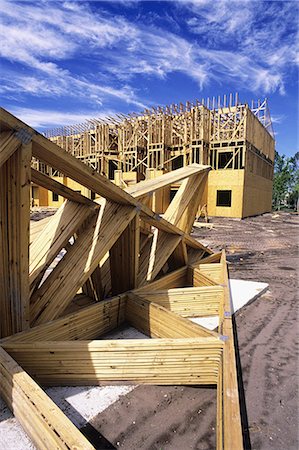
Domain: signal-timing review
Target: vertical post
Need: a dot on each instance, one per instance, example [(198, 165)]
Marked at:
[(124, 258), (15, 178)]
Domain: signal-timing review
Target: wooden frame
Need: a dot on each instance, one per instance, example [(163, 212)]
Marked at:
[(167, 277)]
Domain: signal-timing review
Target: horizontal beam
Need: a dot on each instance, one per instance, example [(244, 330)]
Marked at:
[(188, 301), (148, 186), (87, 323), (151, 361), (59, 188), (156, 321)]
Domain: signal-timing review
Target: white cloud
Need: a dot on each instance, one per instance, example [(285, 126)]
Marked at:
[(231, 44), (42, 118)]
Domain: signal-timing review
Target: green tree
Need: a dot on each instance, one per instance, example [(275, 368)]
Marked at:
[(286, 181)]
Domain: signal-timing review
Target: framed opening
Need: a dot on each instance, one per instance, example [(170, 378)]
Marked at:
[(224, 158), (224, 198), (55, 197), (178, 162)]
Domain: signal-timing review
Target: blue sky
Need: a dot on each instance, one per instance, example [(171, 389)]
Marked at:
[(63, 62)]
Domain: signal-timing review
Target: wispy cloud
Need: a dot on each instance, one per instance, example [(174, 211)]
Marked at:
[(77, 50), (43, 118), (260, 39)]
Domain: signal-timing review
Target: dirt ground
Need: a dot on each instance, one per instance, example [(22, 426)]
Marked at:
[(179, 418)]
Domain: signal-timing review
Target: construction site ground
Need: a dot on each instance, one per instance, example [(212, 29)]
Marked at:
[(263, 248)]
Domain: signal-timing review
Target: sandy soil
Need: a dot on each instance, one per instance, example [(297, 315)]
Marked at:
[(178, 418)]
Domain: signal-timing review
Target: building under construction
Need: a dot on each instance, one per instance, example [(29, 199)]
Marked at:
[(235, 139)]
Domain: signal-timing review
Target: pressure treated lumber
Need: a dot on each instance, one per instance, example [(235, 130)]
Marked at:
[(211, 270), (88, 323), (200, 279), (55, 235), (44, 422), (161, 247), (177, 278), (151, 185), (9, 143), (124, 258), (50, 300), (232, 429), (188, 301), (156, 321), (14, 241), (36, 226), (59, 188), (183, 208), (158, 361)]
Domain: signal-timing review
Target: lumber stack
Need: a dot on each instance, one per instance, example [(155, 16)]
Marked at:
[(127, 264)]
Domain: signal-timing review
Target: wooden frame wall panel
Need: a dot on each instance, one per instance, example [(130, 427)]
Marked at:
[(157, 322), (42, 420), (87, 323), (51, 154), (14, 241), (51, 299), (55, 235), (151, 361), (60, 189), (124, 258), (188, 301)]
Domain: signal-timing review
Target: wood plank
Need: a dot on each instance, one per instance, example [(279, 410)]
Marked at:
[(43, 421), (14, 241), (182, 210), (162, 246), (9, 143), (50, 300), (60, 189), (150, 361), (212, 258), (211, 270), (177, 278), (200, 279), (232, 429), (157, 322), (88, 323), (36, 227), (151, 185), (55, 235), (188, 301), (124, 258)]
